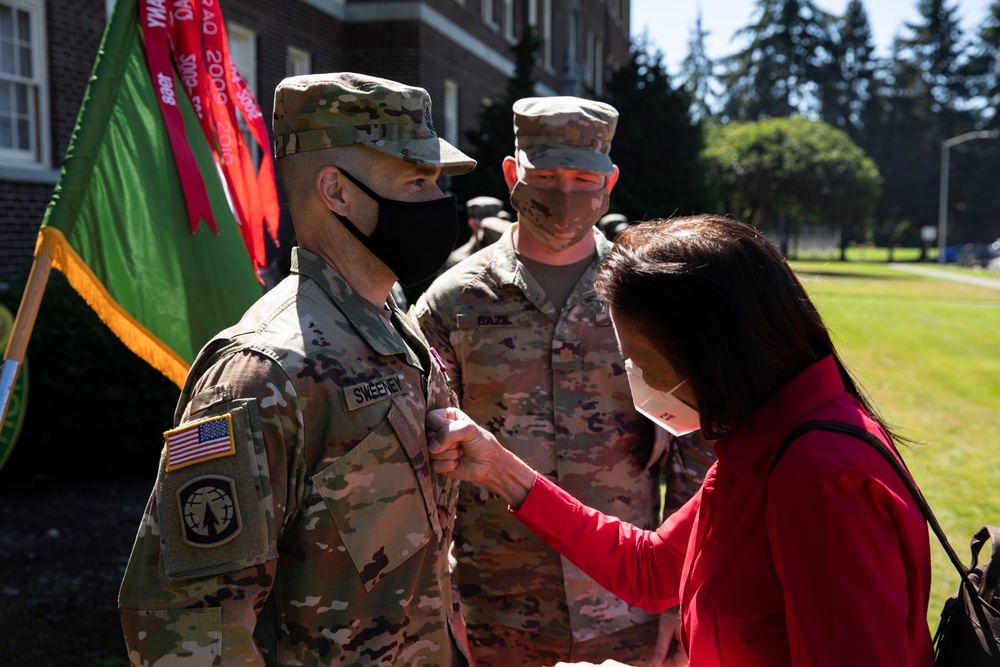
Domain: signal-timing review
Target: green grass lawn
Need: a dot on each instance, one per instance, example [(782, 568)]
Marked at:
[(865, 254), (928, 353)]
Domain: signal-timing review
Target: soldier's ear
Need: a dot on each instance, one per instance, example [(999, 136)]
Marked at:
[(612, 178), (330, 189), (510, 171)]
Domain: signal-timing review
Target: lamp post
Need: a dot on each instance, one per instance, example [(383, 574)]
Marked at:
[(943, 200)]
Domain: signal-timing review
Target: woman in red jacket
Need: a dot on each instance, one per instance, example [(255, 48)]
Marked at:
[(823, 561)]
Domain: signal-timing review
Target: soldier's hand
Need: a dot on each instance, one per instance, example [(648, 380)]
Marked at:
[(459, 447), (669, 651)]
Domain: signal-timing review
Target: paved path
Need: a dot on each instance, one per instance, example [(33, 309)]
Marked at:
[(992, 283)]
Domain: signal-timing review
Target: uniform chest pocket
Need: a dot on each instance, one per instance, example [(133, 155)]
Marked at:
[(376, 501)]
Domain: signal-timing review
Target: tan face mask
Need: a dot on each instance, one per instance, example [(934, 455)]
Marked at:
[(558, 219)]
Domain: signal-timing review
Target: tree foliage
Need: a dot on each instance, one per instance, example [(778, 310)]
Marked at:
[(848, 87), (657, 144), (900, 106), (697, 76), (784, 64), (795, 167), (493, 140)]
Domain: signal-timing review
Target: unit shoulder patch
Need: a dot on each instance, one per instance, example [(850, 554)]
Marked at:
[(209, 510)]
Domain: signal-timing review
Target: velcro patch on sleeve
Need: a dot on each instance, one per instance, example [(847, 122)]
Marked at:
[(201, 440), (216, 516)]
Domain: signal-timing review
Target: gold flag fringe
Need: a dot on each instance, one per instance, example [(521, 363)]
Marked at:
[(135, 336)]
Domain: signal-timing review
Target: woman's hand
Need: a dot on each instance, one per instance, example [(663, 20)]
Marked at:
[(461, 449)]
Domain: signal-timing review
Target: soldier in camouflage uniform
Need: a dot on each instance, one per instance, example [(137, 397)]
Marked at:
[(477, 209), (532, 354), (295, 519)]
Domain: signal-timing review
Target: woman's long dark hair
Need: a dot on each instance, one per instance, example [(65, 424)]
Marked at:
[(725, 309)]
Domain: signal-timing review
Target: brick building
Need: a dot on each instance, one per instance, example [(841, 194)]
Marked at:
[(459, 50)]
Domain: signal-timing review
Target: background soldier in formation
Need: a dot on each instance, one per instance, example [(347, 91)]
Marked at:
[(477, 209)]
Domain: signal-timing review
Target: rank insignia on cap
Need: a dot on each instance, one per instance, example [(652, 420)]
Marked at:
[(199, 441), (210, 515)]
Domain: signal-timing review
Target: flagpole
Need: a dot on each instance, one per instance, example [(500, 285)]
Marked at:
[(24, 323)]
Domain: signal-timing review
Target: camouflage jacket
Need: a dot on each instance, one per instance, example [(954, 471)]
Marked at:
[(552, 387), (319, 535)]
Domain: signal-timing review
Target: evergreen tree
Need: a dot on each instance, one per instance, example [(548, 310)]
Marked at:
[(975, 187), (787, 60), (698, 74), (851, 81), (494, 140), (934, 50), (983, 68), (926, 102), (897, 136), (657, 144)]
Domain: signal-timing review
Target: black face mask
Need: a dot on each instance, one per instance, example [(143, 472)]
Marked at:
[(412, 238)]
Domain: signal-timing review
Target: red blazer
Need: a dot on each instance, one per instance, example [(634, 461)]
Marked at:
[(826, 563)]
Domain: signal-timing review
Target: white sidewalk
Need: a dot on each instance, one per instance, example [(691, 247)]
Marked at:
[(992, 283)]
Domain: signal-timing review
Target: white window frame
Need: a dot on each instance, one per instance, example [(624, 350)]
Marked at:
[(508, 20), (488, 14), (38, 153), (243, 52), (573, 19), (547, 35), (451, 98), (599, 68), (297, 61), (589, 67)]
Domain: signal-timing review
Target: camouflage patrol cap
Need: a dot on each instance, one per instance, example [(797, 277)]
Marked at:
[(316, 111), (491, 229), (564, 133), (483, 207)]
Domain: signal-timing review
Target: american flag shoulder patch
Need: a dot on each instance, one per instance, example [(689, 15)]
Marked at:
[(201, 440)]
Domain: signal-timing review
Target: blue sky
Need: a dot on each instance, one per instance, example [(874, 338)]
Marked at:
[(670, 22)]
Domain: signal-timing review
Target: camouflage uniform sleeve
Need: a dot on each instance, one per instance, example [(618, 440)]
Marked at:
[(690, 456), (436, 320), (205, 555)]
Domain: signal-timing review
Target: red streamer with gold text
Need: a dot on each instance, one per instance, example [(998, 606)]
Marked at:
[(190, 35)]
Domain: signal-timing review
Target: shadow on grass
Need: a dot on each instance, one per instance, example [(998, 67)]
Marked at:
[(827, 273)]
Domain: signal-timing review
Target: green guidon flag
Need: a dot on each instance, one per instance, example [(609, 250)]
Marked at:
[(118, 227)]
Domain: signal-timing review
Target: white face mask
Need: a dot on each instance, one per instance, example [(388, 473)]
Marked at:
[(663, 408)]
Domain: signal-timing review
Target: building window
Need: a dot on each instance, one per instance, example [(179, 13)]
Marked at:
[(489, 18), (451, 112), (589, 67), (573, 43), (547, 34), (297, 62), (24, 127), (508, 19), (599, 69), (533, 12), (243, 52)]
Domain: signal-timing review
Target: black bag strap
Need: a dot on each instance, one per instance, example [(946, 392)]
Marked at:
[(904, 474), (988, 587)]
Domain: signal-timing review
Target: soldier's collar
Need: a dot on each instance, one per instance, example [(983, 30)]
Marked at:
[(368, 320)]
